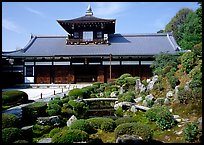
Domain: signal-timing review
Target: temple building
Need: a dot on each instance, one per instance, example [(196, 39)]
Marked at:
[(90, 51)]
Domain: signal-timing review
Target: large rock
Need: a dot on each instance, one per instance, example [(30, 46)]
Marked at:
[(166, 101), (129, 139), (159, 101), (121, 104), (169, 94), (139, 99), (176, 93), (113, 94), (186, 87), (152, 82), (121, 90), (71, 120), (142, 88), (149, 97), (138, 85), (45, 140), (133, 109), (200, 123), (54, 120), (144, 103)]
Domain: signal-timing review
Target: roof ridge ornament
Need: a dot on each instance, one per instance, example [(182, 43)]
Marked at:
[(89, 11)]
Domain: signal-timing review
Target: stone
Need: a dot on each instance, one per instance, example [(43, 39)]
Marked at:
[(176, 116), (148, 80), (129, 139), (144, 103), (113, 94), (166, 101), (171, 110), (186, 87), (49, 120), (178, 120), (101, 94), (159, 101), (169, 94), (43, 120), (55, 120), (133, 109), (142, 88), (121, 90), (45, 140), (143, 108), (149, 97), (151, 83), (71, 120), (178, 132), (176, 93), (137, 85), (27, 132), (139, 99), (121, 104), (200, 123)]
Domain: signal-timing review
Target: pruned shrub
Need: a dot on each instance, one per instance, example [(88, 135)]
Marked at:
[(67, 111), (138, 129), (131, 80), (76, 93), (54, 131), (119, 112), (56, 101), (9, 120), (82, 124), (80, 108), (184, 96), (70, 136), (39, 130), (13, 97), (9, 135), (123, 76), (127, 97), (151, 114), (32, 111), (190, 132), (53, 109), (126, 119), (100, 123)]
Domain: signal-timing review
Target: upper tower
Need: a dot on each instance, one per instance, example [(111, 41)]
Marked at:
[(88, 29)]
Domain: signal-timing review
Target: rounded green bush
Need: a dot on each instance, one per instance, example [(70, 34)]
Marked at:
[(100, 123), (123, 76), (32, 111), (53, 109), (39, 130), (190, 132), (151, 114), (9, 135), (83, 125), (12, 97), (76, 93), (138, 129), (9, 120), (70, 136), (126, 119), (54, 131), (119, 112), (56, 101)]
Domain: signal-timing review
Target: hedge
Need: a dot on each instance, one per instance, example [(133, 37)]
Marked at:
[(126, 119), (54, 131), (32, 111), (138, 129), (53, 109), (83, 125), (70, 136), (9, 120), (106, 124), (39, 130), (9, 135), (13, 97)]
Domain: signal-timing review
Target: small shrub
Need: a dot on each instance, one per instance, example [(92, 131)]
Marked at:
[(76, 93), (70, 136), (190, 132), (130, 80), (32, 111), (83, 125), (127, 97), (138, 129), (55, 101), (122, 120), (123, 76), (54, 131), (100, 123), (9, 135), (39, 130), (151, 114), (53, 109), (13, 97), (119, 112), (184, 96), (9, 120)]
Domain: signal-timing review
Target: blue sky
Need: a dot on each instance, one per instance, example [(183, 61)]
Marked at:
[(20, 19)]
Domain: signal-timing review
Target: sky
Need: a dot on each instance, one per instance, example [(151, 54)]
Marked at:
[(21, 19)]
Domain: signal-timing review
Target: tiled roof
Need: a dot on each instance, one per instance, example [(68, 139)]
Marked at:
[(120, 45)]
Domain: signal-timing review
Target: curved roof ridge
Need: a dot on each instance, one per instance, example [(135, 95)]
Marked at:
[(140, 34)]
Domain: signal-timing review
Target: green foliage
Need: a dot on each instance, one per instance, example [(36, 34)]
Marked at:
[(9, 135), (55, 101), (53, 109), (67, 111), (70, 136), (173, 80), (126, 119), (13, 97), (32, 111), (128, 96), (151, 114), (165, 119), (21, 141), (177, 21), (54, 131), (39, 130), (79, 107), (183, 95), (106, 124), (83, 125), (76, 93), (138, 129), (131, 80), (196, 75), (123, 76), (188, 61), (9, 120), (119, 112), (190, 132)]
